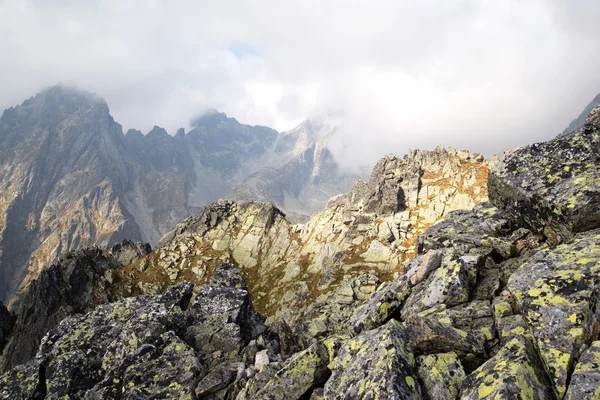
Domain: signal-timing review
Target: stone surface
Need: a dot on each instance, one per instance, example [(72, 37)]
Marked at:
[(553, 183), (141, 347), (74, 283), (430, 335), (375, 364), (555, 291), (297, 376), (441, 375), (585, 381), (290, 267), (262, 359), (380, 307), (515, 372)]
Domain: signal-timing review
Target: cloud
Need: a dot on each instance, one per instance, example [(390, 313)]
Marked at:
[(478, 74)]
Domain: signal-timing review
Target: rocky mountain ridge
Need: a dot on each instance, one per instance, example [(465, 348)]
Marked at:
[(371, 230), (70, 178), (495, 301), (302, 269)]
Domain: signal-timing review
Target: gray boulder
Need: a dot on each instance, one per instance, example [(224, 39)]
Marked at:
[(375, 364), (553, 186)]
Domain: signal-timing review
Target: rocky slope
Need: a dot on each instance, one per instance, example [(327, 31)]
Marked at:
[(152, 347), (495, 302), (358, 240), (69, 178), (75, 283), (294, 272)]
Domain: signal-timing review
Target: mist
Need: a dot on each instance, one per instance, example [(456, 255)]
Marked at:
[(482, 75)]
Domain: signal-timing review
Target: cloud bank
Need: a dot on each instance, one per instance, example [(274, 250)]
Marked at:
[(478, 74)]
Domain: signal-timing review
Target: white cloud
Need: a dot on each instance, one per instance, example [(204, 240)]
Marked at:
[(479, 74)]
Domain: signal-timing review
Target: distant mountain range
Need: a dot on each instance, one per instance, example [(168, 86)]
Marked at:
[(69, 177)]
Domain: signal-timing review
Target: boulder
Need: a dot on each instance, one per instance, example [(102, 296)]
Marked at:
[(546, 185), (450, 284), (516, 372), (433, 333), (585, 381), (381, 306), (131, 342), (373, 365), (462, 231), (297, 375), (555, 291), (441, 375)]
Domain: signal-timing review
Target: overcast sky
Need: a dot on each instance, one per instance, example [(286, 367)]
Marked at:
[(483, 75)]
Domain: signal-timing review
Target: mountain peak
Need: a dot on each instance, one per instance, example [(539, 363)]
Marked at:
[(56, 102), (157, 131), (211, 116), (65, 92)]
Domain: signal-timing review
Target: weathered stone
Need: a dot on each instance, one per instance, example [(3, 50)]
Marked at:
[(377, 253), (441, 375), (585, 381), (134, 348), (22, 382), (317, 326), (74, 283), (262, 359), (227, 275), (317, 394), (381, 306), (430, 262), (216, 380), (515, 372), (554, 291), (484, 226), (475, 317), (555, 181), (450, 284), (432, 334), (296, 377), (375, 364)]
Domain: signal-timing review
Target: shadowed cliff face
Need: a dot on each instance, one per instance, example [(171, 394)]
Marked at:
[(62, 159), (75, 283)]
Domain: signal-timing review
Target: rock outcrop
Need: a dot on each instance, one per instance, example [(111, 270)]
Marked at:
[(493, 306), (334, 261), (578, 122), (553, 186), (75, 283), (6, 324), (162, 346)]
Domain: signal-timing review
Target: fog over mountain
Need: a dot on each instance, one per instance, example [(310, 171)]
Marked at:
[(483, 75), (70, 177)]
